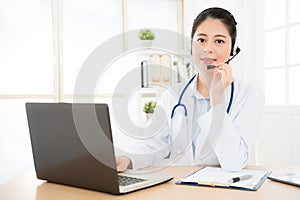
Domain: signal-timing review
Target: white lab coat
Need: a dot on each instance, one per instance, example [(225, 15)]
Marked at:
[(230, 141)]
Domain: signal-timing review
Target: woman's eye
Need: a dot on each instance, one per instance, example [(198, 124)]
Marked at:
[(219, 41), (201, 40)]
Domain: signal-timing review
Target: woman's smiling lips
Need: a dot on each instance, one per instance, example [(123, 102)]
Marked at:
[(208, 61)]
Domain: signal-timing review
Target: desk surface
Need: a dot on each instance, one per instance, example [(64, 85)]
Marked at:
[(26, 186)]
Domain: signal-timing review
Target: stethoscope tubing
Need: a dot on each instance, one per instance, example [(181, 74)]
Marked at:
[(179, 104)]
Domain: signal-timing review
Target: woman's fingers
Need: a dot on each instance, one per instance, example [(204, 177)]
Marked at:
[(226, 74), (123, 163)]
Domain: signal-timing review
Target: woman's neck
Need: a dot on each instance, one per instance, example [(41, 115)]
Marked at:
[(203, 86)]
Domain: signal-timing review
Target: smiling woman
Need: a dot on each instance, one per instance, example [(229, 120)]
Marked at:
[(204, 129)]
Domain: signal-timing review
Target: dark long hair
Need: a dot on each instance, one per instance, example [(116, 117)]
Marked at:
[(221, 14)]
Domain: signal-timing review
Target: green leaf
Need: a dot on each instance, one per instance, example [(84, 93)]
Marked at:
[(149, 107), (146, 34)]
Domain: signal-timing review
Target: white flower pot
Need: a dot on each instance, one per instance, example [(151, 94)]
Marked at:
[(148, 116), (146, 43)]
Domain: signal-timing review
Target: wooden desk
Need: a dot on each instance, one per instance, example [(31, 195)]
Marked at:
[(27, 186)]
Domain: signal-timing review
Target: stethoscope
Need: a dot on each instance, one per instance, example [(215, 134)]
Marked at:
[(179, 104), (180, 151)]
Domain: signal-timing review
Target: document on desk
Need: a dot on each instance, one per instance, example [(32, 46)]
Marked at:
[(245, 179)]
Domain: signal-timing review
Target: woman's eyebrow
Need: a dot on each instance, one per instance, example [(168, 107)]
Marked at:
[(201, 34), (220, 35)]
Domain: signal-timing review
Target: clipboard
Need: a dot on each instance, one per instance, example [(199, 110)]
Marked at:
[(217, 177)]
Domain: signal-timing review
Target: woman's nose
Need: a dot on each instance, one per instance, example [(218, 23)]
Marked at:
[(207, 48)]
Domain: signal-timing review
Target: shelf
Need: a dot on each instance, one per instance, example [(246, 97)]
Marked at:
[(152, 91)]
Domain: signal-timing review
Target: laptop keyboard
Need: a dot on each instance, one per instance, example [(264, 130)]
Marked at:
[(126, 180)]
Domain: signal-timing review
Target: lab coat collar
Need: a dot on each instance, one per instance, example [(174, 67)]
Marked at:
[(195, 93)]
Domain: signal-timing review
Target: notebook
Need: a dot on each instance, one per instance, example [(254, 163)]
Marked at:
[(72, 144), (217, 177), (288, 178)]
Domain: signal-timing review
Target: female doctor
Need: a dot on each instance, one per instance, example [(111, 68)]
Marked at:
[(210, 120)]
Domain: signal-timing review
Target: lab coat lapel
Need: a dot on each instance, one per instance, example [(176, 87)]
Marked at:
[(189, 102)]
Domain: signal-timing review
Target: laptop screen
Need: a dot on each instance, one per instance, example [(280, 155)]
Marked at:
[(72, 144)]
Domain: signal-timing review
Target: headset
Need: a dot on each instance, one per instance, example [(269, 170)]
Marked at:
[(236, 52)]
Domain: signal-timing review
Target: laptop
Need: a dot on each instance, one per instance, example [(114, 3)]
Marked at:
[(72, 145)]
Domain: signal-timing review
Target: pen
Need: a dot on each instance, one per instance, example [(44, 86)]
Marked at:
[(240, 178)]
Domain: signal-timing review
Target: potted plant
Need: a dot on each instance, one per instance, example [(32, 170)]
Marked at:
[(149, 108), (146, 36)]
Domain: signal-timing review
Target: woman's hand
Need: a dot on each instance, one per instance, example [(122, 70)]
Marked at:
[(222, 78), (123, 163)]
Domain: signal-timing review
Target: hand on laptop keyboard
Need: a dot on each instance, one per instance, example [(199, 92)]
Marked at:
[(123, 163)]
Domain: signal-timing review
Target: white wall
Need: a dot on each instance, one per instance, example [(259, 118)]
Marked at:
[(15, 149), (278, 142)]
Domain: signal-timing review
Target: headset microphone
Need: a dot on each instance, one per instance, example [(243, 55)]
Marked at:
[(236, 52)]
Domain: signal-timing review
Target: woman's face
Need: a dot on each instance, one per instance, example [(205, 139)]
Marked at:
[(211, 44)]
